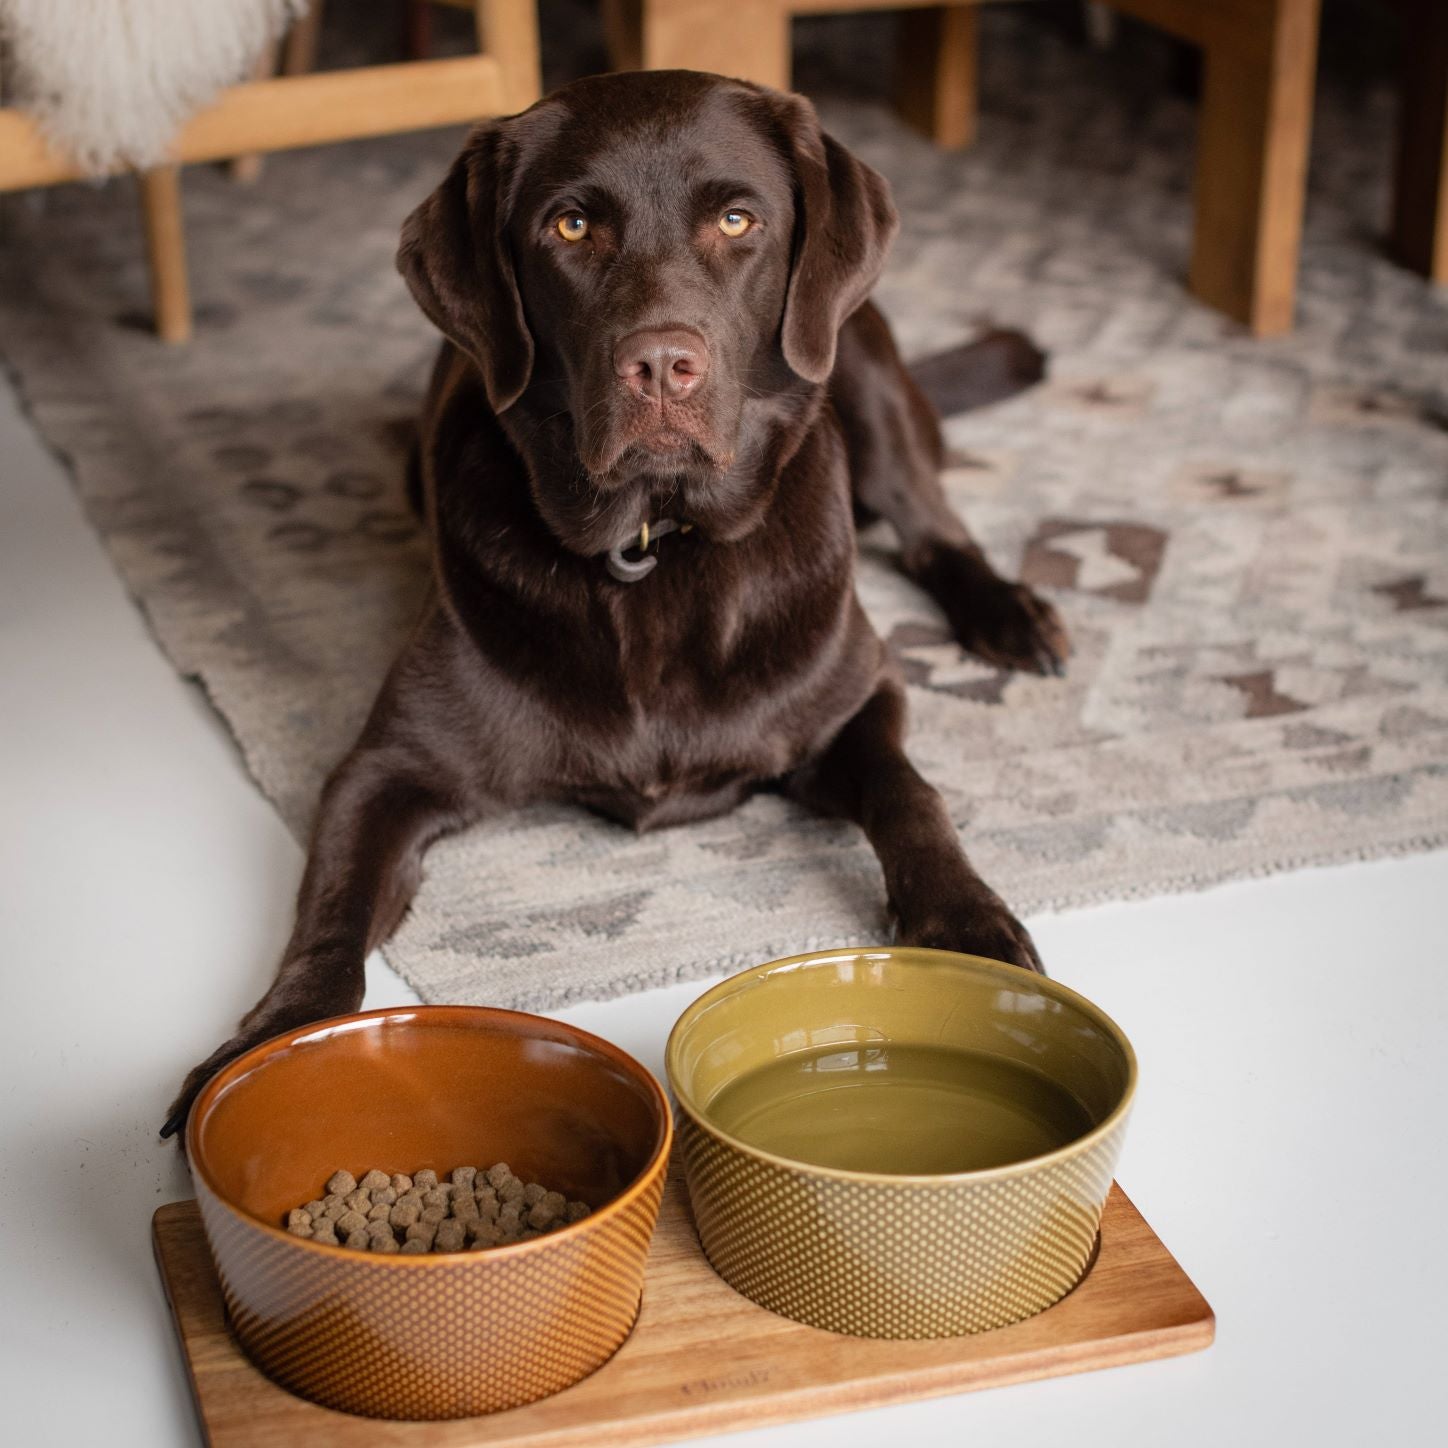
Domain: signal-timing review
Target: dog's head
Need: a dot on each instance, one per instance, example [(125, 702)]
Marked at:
[(650, 270)]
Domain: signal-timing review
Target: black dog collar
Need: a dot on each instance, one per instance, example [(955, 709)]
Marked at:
[(630, 570)]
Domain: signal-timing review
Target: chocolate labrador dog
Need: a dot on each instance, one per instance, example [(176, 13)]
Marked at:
[(662, 403)]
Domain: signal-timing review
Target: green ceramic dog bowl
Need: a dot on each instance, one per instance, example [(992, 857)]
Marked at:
[(899, 1143)]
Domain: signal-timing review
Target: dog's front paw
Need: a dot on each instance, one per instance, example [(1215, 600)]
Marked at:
[(311, 985), (1011, 626), (198, 1076), (1014, 627), (1006, 624), (266, 1020), (977, 924)]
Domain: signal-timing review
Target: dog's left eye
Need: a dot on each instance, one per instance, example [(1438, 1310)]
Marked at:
[(735, 223), (572, 226)]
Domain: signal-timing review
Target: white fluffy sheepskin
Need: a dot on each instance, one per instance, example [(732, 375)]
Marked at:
[(111, 81)]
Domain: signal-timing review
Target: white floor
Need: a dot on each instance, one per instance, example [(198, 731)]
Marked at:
[(1289, 1142)]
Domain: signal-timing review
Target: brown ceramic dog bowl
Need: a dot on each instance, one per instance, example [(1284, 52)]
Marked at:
[(899, 1143), (438, 1336)]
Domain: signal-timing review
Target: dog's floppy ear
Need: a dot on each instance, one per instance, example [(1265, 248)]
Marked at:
[(842, 234), (454, 256)]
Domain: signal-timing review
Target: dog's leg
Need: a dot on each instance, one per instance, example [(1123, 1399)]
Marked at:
[(380, 810), (935, 894), (895, 449)]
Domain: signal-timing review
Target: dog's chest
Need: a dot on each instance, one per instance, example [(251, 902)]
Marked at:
[(709, 696)]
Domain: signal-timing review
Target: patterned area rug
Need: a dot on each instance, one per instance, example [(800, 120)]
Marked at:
[(1249, 540)]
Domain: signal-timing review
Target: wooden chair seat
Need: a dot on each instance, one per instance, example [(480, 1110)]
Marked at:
[(279, 113)]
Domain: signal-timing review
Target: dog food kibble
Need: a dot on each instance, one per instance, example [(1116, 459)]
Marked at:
[(449, 1236), (472, 1209), (349, 1222)]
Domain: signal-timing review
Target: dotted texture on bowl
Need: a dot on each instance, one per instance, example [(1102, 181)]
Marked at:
[(896, 1259), (397, 1337)]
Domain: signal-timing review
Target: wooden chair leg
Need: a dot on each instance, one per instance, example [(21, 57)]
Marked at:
[(299, 49), (935, 87), (1256, 123), (245, 170), (297, 54), (508, 29), (166, 252), (1420, 198)]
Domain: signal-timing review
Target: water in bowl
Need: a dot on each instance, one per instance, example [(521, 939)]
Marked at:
[(900, 1110)]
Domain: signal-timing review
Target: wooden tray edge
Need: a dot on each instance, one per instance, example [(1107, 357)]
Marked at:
[(1191, 1329)]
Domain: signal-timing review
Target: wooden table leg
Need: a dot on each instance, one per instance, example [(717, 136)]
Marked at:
[(1420, 199), (166, 252), (623, 26), (508, 31), (1252, 140), (935, 87), (748, 39), (1256, 123)]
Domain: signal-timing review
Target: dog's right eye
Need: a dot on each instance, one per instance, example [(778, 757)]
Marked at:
[(572, 226)]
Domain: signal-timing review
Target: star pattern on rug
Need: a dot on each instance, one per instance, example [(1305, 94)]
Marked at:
[(1409, 594), (1115, 559), (930, 658), (1262, 695)]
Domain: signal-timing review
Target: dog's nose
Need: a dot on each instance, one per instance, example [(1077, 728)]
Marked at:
[(665, 365)]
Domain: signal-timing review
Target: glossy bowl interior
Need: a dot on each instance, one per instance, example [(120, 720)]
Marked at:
[(882, 1254), (439, 1087)]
